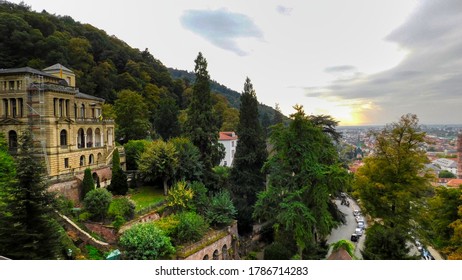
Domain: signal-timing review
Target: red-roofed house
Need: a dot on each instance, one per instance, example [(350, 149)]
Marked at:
[(229, 140), (454, 183)]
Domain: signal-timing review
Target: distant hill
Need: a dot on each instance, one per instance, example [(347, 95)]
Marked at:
[(103, 64), (231, 95)]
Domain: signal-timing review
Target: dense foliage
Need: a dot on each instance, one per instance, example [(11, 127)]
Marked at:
[(221, 210), (247, 178), (88, 184), (391, 185), (159, 161), (202, 123), (303, 171), (28, 229), (97, 203), (123, 207), (146, 241)]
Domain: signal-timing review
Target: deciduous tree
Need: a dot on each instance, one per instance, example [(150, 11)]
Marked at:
[(160, 160)]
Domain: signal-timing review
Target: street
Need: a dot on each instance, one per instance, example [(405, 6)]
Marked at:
[(344, 231)]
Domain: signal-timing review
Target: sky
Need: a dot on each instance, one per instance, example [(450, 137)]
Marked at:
[(364, 62)]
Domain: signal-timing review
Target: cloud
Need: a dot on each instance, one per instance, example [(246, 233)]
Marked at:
[(221, 27), (340, 68), (427, 82), (286, 11)]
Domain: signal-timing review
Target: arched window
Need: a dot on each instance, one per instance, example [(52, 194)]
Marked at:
[(81, 138), (63, 138), (215, 255), (89, 138), (13, 140), (82, 160), (224, 252), (91, 159), (206, 257), (97, 137)]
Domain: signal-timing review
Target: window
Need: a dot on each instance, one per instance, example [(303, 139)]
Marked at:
[(82, 160), (13, 140), (63, 138), (14, 109), (66, 163), (11, 85), (82, 111), (91, 159)]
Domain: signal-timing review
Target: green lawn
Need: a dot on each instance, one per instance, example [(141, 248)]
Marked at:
[(145, 196)]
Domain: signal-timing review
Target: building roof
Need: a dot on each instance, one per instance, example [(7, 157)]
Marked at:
[(340, 254), (87, 96), (26, 70), (445, 163), (227, 135), (57, 66), (454, 183)]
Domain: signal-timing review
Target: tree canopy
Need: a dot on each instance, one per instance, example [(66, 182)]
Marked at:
[(247, 178), (304, 171)]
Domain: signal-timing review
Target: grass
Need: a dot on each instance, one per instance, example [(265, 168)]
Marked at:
[(145, 196)]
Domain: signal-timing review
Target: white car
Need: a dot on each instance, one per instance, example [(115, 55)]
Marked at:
[(359, 231), (361, 224)]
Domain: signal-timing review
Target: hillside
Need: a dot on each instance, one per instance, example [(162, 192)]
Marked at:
[(103, 64)]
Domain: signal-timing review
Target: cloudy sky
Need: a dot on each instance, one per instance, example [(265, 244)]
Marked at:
[(363, 62)]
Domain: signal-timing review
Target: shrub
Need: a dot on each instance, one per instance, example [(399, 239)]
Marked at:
[(119, 184), (123, 207), (146, 242), (200, 199), (191, 227), (277, 251), (221, 210), (180, 196), (87, 184), (168, 224), (85, 216), (97, 202), (118, 222)]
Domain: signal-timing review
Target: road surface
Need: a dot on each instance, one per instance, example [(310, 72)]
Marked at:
[(344, 231)]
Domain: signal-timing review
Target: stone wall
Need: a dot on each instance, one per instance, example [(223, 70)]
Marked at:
[(69, 189), (217, 245)]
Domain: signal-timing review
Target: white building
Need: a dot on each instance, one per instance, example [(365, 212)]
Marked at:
[(229, 140), (446, 164)]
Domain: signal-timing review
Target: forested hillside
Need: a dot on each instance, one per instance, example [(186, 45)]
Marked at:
[(104, 65)]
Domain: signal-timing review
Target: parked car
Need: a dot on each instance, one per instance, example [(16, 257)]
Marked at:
[(361, 224), (359, 231), (359, 219), (356, 212), (354, 237)]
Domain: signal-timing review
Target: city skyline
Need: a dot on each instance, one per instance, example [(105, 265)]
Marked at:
[(363, 62)]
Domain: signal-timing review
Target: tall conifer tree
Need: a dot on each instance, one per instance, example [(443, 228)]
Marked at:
[(28, 229), (246, 175), (202, 123)]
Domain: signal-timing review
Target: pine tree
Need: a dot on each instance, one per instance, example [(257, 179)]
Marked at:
[(202, 123), (28, 229), (88, 184), (119, 184), (246, 175)]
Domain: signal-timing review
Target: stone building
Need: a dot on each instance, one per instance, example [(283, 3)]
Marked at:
[(67, 125)]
